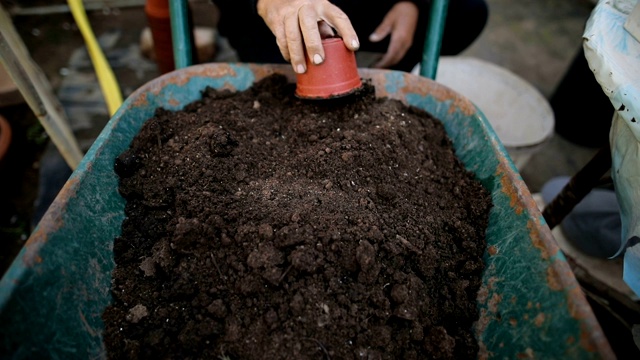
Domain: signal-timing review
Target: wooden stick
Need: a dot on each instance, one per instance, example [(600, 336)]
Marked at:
[(36, 90)]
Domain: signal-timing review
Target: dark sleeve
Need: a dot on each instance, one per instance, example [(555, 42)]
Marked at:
[(421, 4), (236, 4)]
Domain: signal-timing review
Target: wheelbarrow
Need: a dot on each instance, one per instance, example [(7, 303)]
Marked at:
[(53, 295)]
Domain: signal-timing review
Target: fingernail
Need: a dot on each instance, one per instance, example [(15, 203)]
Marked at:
[(317, 59), (373, 37), (355, 44), (300, 69)]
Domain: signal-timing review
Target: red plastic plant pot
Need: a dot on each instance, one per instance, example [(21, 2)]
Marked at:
[(159, 21), (5, 137), (337, 75)]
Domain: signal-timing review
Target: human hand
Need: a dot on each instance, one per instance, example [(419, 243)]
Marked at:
[(303, 23), (400, 22)]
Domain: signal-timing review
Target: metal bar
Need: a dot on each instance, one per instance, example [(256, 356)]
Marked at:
[(180, 33), (433, 42), (578, 187)]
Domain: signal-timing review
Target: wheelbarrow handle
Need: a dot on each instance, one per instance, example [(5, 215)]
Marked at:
[(180, 33), (433, 42)]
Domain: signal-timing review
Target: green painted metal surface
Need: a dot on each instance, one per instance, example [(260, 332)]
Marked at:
[(53, 295)]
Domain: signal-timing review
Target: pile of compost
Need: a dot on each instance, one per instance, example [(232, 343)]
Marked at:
[(263, 226)]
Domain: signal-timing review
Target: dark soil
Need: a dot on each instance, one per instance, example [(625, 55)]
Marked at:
[(262, 226)]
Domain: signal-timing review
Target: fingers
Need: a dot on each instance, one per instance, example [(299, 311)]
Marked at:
[(294, 43), (338, 20), (326, 31), (400, 22), (318, 20), (395, 53), (398, 47), (309, 26), (382, 31), (299, 26), (273, 16), (281, 41)]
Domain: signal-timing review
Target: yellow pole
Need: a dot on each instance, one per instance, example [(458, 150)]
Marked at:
[(106, 78)]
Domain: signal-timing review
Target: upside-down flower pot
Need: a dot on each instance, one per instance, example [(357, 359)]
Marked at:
[(336, 76)]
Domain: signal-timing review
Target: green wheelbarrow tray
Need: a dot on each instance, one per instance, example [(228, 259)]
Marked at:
[(53, 295)]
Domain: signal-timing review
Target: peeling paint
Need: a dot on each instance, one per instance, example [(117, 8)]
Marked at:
[(587, 339), (527, 354), (495, 300), (492, 282), (483, 353), (49, 224), (536, 241), (553, 279), (480, 327), (576, 309), (580, 310), (505, 174), (483, 295), (140, 101)]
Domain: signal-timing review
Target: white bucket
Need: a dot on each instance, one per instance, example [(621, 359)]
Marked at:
[(521, 117)]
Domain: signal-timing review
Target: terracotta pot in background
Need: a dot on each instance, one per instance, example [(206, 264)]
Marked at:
[(159, 19), (205, 42), (5, 137), (336, 76), (158, 14)]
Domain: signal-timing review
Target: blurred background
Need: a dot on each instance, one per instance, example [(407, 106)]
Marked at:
[(536, 42)]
